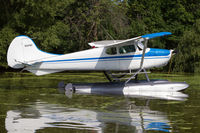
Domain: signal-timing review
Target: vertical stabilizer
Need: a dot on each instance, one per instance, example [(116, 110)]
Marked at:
[(23, 51)]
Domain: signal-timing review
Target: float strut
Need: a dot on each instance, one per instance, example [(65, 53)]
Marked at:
[(107, 76)]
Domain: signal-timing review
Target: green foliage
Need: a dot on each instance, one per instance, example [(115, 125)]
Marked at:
[(6, 36), (188, 58), (68, 25), (54, 39), (95, 20)]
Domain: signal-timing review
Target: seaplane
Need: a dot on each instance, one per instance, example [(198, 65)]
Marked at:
[(129, 57)]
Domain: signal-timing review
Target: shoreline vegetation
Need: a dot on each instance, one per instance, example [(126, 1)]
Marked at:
[(67, 26), (9, 80), (67, 75)]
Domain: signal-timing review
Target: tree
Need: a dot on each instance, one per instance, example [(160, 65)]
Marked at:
[(6, 34), (188, 58), (68, 25), (147, 17), (94, 20)]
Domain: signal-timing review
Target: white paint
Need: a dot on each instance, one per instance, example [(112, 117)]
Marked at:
[(23, 52)]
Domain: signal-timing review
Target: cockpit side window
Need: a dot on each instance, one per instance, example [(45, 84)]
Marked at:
[(111, 51), (127, 49)]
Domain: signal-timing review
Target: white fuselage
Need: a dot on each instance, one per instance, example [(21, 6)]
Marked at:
[(121, 55), (97, 59)]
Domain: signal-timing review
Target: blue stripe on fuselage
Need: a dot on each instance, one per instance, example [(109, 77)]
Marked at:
[(152, 53)]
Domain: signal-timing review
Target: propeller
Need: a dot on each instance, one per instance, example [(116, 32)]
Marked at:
[(176, 51)]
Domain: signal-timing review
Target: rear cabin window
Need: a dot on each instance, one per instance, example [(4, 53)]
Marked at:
[(111, 51), (126, 49)]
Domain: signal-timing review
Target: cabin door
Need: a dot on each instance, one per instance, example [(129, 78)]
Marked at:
[(126, 53), (111, 59)]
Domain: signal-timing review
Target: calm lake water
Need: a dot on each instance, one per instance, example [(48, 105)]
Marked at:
[(31, 104)]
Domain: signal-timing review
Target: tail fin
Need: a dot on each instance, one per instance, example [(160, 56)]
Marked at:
[(23, 51)]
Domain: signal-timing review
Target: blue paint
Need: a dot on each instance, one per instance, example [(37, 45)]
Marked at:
[(153, 35), (36, 45), (158, 126), (152, 53), (158, 52)]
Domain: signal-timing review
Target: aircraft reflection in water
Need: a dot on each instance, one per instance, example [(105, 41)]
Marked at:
[(161, 89), (42, 115), (136, 118)]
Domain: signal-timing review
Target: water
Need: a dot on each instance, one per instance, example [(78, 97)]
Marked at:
[(31, 104)]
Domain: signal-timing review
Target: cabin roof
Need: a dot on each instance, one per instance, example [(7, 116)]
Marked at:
[(104, 43)]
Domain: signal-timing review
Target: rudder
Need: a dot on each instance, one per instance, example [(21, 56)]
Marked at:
[(23, 51)]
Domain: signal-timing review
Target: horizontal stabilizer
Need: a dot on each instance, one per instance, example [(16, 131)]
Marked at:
[(42, 72)]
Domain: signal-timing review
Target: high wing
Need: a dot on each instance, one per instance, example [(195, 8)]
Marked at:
[(136, 40), (154, 35), (108, 43), (104, 43)]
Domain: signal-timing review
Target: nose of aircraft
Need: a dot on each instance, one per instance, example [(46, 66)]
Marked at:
[(162, 54)]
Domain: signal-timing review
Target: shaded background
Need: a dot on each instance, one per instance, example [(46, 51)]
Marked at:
[(68, 25)]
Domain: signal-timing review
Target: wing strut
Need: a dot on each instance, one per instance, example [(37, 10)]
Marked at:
[(141, 63), (141, 68), (143, 52)]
